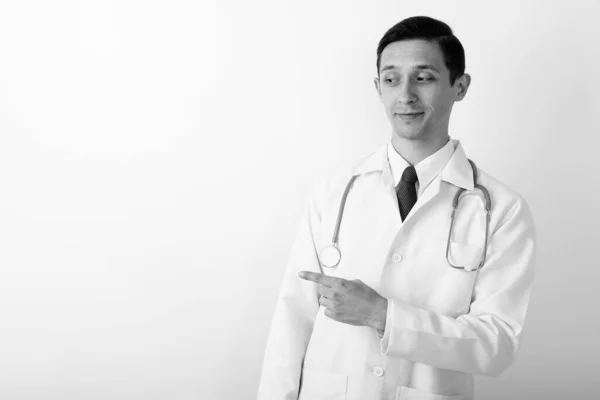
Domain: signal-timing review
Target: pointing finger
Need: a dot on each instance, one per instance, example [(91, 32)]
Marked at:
[(318, 278)]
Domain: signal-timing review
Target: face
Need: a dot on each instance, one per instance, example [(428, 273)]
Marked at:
[(414, 87)]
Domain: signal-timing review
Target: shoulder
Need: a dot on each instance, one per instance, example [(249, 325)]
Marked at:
[(507, 203), (497, 187), (331, 183)]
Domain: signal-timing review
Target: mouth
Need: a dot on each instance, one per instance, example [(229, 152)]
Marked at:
[(409, 116)]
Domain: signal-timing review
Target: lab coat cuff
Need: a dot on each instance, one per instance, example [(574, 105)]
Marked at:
[(401, 330)]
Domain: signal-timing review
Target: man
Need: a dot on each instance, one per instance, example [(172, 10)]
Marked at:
[(406, 313)]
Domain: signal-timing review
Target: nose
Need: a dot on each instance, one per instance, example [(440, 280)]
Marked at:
[(406, 93)]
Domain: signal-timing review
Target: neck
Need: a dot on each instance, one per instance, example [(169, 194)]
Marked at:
[(416, 150)]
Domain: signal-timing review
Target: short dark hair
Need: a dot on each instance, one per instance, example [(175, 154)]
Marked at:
[(432, 30)]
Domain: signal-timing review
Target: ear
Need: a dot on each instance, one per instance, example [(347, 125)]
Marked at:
[(462, 86), (376, 82)]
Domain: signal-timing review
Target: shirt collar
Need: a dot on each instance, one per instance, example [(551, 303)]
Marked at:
[(450, 162), (427, 169)]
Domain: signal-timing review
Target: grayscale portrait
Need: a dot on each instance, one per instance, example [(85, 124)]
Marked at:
[(276, 200)]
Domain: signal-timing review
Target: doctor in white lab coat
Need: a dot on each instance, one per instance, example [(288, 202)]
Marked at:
[(394, 320)]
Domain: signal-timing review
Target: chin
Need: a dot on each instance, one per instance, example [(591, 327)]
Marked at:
[(409, 134)]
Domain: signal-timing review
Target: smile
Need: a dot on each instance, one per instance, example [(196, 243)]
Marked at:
[(409, 117)]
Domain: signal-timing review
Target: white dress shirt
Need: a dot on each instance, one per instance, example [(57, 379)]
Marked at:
[(427, 169)]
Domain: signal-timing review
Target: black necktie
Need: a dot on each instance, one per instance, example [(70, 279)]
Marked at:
[(406, 191)]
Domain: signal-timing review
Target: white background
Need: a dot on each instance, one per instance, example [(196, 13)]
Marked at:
[(155, 157)]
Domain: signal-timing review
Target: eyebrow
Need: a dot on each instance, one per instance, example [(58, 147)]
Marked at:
[(419, 67)]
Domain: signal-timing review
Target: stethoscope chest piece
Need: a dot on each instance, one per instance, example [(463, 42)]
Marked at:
[(330, 256)]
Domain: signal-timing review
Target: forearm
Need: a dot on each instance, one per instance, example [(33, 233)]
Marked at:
[(473, 344)]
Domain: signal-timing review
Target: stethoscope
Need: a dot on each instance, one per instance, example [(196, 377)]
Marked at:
[(331, 255)]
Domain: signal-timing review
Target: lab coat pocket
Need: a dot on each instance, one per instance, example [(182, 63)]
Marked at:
[(406, 393), (321, 385), (465, 255), (450, 290)]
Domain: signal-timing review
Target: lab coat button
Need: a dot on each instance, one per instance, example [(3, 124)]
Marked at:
[(396, 258), (378, 372)]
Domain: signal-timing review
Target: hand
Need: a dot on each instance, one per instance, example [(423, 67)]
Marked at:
[(350, 302)]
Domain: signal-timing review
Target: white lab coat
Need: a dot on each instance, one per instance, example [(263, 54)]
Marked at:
[(443, 324)]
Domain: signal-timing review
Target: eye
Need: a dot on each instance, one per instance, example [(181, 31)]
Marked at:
[(390, 80), (425, 78)]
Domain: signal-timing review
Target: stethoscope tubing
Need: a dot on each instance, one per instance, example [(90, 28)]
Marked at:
[(333, 247), (336, 232)]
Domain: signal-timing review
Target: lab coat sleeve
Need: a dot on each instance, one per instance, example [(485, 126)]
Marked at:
[(295, 312), (486, 340)]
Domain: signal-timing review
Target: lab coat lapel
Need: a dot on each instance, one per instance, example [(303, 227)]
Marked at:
[(378, 162), (391, 199), (432, 190), (457, 171)]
